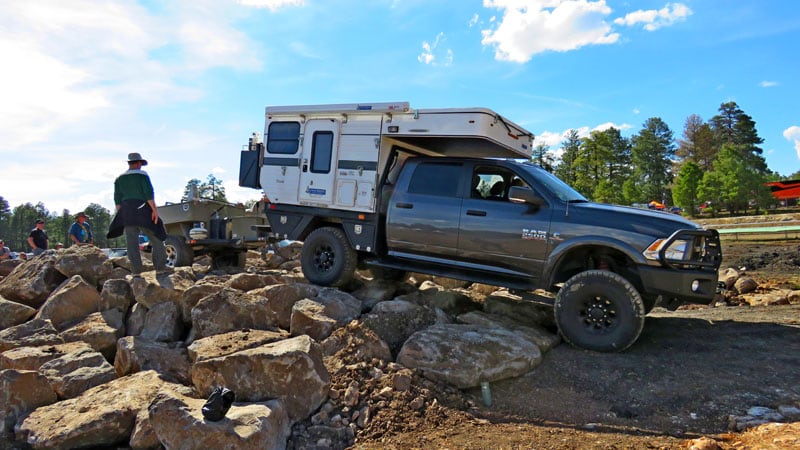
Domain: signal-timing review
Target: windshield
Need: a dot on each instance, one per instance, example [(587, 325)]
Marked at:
[(553, 184)]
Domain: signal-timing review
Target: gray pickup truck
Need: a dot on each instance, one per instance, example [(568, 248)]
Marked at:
[(513, 224)]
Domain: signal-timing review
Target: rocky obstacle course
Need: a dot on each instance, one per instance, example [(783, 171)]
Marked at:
[(91, 356)]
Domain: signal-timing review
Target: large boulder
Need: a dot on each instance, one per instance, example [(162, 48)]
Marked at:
[(102, 416), (32, 281), (281, 299), (73, 373), (395, 320), (162, 323), (31, 358), (153, 287), (136, 355), (31, 333), (232, 342), (87, 261), (21, 391), (116, 294), (507, 304), (229, 310), (178, 422), (318, 317), (71, 302), (100, 330), (291, 370), (543, 338), (466, 355), (14, 313)]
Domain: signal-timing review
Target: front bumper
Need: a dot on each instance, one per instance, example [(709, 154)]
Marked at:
[(677, 284)]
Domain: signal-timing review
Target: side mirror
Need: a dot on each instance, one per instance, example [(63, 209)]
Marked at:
[(519, 194)]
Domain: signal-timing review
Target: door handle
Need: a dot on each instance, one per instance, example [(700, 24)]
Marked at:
[(475, 212), (404, 205)]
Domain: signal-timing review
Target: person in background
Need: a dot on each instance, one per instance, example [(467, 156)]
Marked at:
[(137, 213), (59, 245), (5, 253), (81, 232), (38, 239)]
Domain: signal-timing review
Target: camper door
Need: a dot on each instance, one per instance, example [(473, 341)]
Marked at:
[(318, 161)]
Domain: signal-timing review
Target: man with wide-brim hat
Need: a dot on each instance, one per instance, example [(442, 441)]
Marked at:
[(137, 214), (80, 232)]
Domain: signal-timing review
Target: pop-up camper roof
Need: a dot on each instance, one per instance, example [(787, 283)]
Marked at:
[(475, 132)]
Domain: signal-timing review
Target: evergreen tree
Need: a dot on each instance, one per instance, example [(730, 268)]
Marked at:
[(542, 156), (684, 193), (570, 149), (652, 153)]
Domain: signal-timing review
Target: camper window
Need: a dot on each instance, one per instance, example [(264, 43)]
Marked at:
[(283, 137), (321, 151), (435, 179)]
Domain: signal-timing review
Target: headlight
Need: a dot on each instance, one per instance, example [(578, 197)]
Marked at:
[(676, 251)]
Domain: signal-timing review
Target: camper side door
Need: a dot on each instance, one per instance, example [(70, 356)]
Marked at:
[(318, 162)]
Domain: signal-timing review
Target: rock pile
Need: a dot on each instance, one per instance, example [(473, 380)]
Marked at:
[(91, 356)]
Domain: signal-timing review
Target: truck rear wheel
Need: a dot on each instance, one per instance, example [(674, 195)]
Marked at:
[(178, 252), (599, 310), (327, 258)]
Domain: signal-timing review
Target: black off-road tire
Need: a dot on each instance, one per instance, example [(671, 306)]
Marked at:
[(599, 310), (327, 258), (178, 251)]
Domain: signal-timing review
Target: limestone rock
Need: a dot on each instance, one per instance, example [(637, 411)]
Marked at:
[(71, 302), (395, 320), (153, 288), (87, 261), (230, 310), (100, 330), (282, 297), (116, 294), (22, 391), (745, 285), (32, 281), (232, 342), (466, 355), (245, 282), (291, 370), (31, 333), (544, 339), (101, 416), (179, 423), (14, 313), (136, 354), (75, 372), (31, 358), (162, 323), (319, 316)]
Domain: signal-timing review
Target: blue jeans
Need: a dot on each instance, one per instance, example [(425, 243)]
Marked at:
[(38, 251), (132, 241)]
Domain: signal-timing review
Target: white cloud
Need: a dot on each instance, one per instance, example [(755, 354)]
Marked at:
[(66, 62), (272, 5), (768, 84), (474, 20), (792, 134), (607, 125), (531, 27), (434, 55), (654, 19)]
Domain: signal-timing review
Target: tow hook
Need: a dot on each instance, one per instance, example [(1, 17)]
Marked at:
[(721, 287)]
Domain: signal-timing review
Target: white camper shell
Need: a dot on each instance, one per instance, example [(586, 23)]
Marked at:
[(331, 156)]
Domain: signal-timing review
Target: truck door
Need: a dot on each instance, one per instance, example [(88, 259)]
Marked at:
[(422, 215), (318, 161), (494, 232)]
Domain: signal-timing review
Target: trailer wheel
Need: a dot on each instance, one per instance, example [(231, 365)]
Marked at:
[(327, 258), (178, 252), (599, 310)]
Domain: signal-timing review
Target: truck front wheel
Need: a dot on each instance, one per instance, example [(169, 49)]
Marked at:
[(599, 310), (327, 258), (178, 252)]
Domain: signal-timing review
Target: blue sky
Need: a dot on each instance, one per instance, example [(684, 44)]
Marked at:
[(185, 82)]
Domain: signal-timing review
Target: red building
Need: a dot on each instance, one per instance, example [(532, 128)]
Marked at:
[(787, 191)]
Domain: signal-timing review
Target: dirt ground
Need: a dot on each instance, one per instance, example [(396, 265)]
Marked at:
[(689, 372)]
